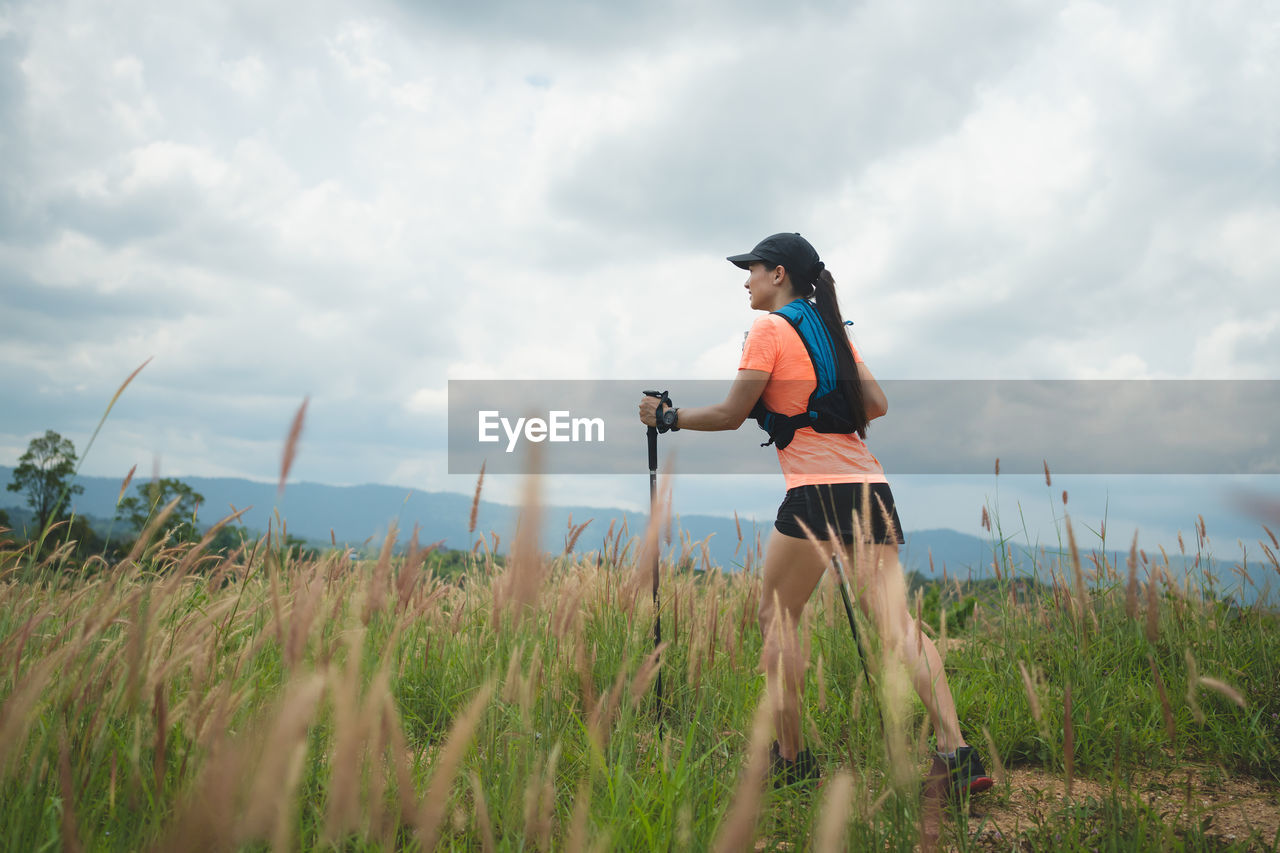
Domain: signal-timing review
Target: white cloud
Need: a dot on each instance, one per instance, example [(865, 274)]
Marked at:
[(276, 200), (1218, 348), (1245, 244), (161, 163), (247, 75), (429, 401)]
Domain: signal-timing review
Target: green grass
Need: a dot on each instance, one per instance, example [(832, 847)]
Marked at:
[(271, 699)]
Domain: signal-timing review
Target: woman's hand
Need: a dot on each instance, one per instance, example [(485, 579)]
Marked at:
[(648, 411), (729, 415)]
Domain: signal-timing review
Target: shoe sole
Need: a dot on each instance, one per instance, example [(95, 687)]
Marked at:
[(979, 784)]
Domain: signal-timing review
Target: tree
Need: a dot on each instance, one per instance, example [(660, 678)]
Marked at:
[(228, 538), (154, 496), (44, 472), (87, 540)]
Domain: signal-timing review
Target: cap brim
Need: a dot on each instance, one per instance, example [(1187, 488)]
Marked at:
[(744, 261)]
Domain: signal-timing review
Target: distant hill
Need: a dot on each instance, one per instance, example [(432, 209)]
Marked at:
[(355, 514), (358, 513)]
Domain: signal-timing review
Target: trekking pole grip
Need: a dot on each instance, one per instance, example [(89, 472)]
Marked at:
[(653, 430)]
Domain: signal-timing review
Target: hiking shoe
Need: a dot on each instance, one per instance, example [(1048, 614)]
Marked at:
[(964, 772), (804, 770)]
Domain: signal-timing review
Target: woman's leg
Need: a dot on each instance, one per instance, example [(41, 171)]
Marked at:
[(792, 568), (883, 597)]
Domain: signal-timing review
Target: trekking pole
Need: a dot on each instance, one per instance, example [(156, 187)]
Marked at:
[(653, 509), (857, 641)]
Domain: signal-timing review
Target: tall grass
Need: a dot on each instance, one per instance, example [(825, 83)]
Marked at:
[(259, 698)]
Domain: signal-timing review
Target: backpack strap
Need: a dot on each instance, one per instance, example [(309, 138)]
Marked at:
[(803, 316), (819, 414)]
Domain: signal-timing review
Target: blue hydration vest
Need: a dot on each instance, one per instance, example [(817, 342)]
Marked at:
[(828, 411)]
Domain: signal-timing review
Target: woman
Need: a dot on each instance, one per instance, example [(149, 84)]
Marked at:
[(827, 472)]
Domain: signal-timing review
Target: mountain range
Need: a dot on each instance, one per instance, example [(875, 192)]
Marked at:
[(361, 516)]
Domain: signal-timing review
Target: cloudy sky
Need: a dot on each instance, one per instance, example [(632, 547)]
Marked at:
[(358, 202)]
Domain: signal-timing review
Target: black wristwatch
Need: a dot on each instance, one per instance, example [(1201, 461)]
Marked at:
[(669, 420)]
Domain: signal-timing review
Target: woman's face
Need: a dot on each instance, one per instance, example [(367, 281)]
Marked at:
[(762, 286)]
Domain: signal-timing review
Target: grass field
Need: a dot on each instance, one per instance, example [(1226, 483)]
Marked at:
[(178, 700)]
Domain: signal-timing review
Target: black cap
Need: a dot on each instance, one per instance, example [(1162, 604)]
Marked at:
[(787, 250)]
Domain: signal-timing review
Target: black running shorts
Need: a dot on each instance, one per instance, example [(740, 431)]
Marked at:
[(834, 505)]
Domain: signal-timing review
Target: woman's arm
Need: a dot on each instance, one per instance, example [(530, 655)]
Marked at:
[(729, 415), (873, 397), (744, 393)]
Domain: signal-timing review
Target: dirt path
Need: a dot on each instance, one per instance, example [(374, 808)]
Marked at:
[(1230, 809)]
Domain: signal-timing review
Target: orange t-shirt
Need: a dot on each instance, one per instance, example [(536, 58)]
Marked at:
[(775, 347)]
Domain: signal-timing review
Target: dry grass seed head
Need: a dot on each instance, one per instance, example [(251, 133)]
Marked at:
[(1068, 739), (1271, 556), (896, 698), (833, 818), (410, 575), (1032, 697), (401, 756), (291, 443), (1131, 588), (511, 682), (600, 722), (646, 674), (306, 603), (475, 502), (822, 685), (445, 766), (349, 735), (269, 812), (529, 686), (586, 682), (144, 538), (571, 538), (942, 646), (193, 554), (1225, 689), (997, 765), (738, 828), (539, 801), (375, 591), (124, 486), (576, 842), (646, 566), (1081, 608), (208, 809), (481, 815), (378, 736), (135, 651), (694, 668), (526, 570), (1153, 606), (160, 714), (568, 613), (66, 785), (277, 607), (1193, 681)]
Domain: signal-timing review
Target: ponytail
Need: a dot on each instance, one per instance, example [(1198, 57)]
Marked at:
[(823, 289)]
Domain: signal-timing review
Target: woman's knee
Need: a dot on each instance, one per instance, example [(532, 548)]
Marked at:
[(780, 650), (765, 613), (776, 618)]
